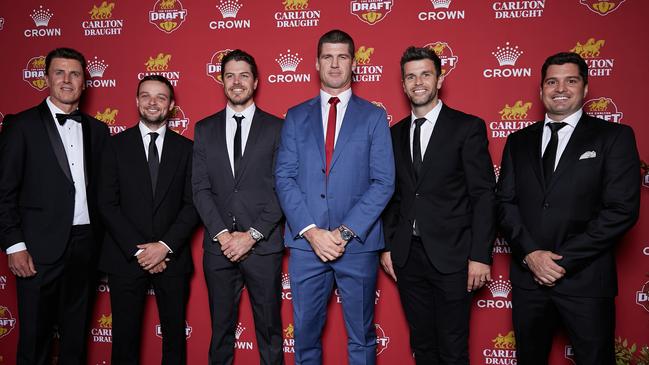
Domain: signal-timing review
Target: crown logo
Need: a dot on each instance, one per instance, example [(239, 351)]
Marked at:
[(507, 55), (363, 54), (295, 4), (96, 68), (500, 288), (289, 331), (239, 331), (589, 49), (286, 283), (229, 8), (108, 116), (103, 11), (288, 61), (505, 342), (105, 321), (41, 17), (441, 4)]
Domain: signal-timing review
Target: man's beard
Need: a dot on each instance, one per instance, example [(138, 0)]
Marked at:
[(154, 122)]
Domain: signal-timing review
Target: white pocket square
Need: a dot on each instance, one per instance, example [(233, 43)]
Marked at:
[(588, 154)]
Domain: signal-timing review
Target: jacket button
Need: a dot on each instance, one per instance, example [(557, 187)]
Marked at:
[(323, 171), (236, 190), (417, 195), (322, 196), (546, 205)]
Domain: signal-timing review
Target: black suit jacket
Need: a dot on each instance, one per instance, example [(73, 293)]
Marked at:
[(133, 214), (453, 201), (36, 187), (251, 198), (588, 205)]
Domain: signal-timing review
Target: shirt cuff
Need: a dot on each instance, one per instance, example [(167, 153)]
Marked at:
[(20, 246), (138, 252), (167, 246), (216, 235), (303, 231)]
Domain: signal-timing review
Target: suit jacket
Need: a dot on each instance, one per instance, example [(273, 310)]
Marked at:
[(453, 200), (36, 187), (583, 212), (361, 177), (134, 214), (249, 199)]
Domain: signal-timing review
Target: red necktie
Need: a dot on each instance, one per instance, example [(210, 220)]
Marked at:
[(331, 132)]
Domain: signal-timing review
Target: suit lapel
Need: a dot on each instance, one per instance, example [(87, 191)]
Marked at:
[(256, 128), (55, 140), (534, 150), (440, 131), (346, 129), (168, 165), (579, 138), (314, 125), (221, 139), (140, 166)]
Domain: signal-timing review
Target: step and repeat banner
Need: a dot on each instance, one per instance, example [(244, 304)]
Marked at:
[(491, 54)]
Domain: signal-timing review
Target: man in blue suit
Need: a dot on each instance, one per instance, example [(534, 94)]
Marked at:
[(334, 177)]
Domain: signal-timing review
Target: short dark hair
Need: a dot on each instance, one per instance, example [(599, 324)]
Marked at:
[(158, 78), (563, 58), (63, 52), (413, 53), (239, 55), (336, 36)]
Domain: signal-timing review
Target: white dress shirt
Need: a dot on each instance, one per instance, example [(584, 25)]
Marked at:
[(146, 139), (71, 134), (426, 128), (563, 133), (231, 129)]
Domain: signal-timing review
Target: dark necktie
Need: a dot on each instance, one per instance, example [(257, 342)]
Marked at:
[(237, 142), (331, 132), (417, 161), (154, 160), (550, 154), (75, 115)]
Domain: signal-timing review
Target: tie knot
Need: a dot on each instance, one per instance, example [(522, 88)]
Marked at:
[(334, 100), (154, 136), (238, 118), (62, 117), (419, 122), (555, 126)]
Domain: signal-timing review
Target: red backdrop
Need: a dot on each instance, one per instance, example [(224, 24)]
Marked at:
[(491, 52)]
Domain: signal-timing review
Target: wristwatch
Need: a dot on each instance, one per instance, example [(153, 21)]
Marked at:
[(255, 234), (346, 233)]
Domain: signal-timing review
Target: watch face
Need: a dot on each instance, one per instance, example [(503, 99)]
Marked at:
[(346, 235)]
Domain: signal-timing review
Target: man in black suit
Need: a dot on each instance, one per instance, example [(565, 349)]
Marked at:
[(234, 159), (568, 191), (49, 224), (145, 198), (440, 223)]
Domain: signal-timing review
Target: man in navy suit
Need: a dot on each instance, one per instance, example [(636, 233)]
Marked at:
[(334, 177)]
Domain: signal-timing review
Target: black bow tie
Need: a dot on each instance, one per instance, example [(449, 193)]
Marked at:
[(75, 115)]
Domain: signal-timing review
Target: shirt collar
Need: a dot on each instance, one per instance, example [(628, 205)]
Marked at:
[(248, 112), (343, 96), (53, 108), (144, 130), (432, 115), (571, 120)]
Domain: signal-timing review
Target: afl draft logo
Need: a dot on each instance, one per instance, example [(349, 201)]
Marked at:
[(41, 18), (178, 122), (188, 330), (590, 51), (286, 289), (296, 14), (213, 67), (229, 9), (167, 15), (7, 321), (371, 11), (382, 106), (382, 340), (642, 296), (365, 70), (101, 21), (288, 62), (445, 54), (603, 108), (441, 12), (103, 332), (289, 339), (602, 7), (34, 73)]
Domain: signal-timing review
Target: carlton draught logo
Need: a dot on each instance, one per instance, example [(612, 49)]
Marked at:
[(229, 10), (41, 18), (103, 330), (371, 11), (507, 56), (512, 118), (109, 117), (382, 106), (499, 290), (286, 287), (167, 15), (382, 340), (642, 296), (178, 122), (500, 245), (96, 69), (240, 343), (602, 7), (445, 54), (7, 321), (188, 330), (441, 11), (591, 51), (603, 108), (366, 70), (289, 339), (214, 66), (159, 65), (503, 350), (518, 9), (101, 21), (288, 62), (34, 73), (296, 14)]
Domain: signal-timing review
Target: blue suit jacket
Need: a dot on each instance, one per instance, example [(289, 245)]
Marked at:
[(361, 178)]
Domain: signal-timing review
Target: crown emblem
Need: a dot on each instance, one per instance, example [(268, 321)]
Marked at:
[(108, 116), (507, 55), (239, 331), (441, 4), (286, 283), (105, 321), (96, 68), (41, 17), (288, 61), (500, 288), (229, 8)]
